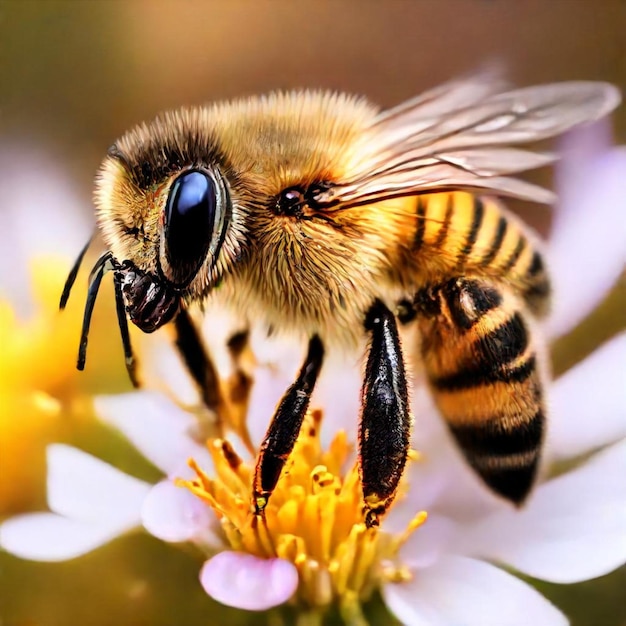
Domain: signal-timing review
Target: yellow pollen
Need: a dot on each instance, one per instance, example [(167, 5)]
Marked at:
[(314, 519)]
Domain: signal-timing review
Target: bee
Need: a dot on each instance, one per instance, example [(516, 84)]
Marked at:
[(318, 214)]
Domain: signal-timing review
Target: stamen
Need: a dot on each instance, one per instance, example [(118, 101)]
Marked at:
[(262, 536), (314, 519), (413, 525)]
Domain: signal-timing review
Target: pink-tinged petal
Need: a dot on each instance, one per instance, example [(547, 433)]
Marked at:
[(172, 513), (247, 582), (458, 590), (588, 403), (84, 488), (587, 250), (578, 147), (158, 428), (572, 529), (50, 537)]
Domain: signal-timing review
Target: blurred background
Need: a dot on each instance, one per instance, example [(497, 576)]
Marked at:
[(75, 75)]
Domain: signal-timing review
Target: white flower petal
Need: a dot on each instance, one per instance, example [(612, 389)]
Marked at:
[(173, 513), (587, 251), (218, 324), (163, 365), (269, 386), (588, 403), (158, 428), (429, 542), (32, 227), (572, 529), (283, 355), (248, 582), (441, 481), (50, 537), (458, 591), (580, 145), (87, 489), (338, 393)]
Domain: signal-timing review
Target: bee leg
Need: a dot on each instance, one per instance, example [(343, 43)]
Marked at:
[(285, 427), (238, 385), (385, 424), (483, 372), (241, 380), (226, 401), (197, 360), (122, 321)]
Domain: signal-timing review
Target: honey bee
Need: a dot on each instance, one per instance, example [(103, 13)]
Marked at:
[(319, 214)]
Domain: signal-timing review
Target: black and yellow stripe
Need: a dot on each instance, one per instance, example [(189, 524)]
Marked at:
[(484, 376), (495, 243), (458, 233)]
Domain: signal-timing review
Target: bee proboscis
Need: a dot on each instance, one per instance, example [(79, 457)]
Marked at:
[(316, 213)]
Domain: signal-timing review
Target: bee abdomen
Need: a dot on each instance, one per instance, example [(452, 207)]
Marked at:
[(506, 457), (474, 235), (483, 372), (537, 289), (499, 356)]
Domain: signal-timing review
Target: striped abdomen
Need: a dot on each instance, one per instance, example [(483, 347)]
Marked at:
[(458, 233), (483, 372)]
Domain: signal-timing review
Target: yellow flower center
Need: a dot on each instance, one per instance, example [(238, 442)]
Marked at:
[(42, 396), (314, 519)]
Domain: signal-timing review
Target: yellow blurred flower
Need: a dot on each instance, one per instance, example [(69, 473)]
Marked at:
[(42, 396)]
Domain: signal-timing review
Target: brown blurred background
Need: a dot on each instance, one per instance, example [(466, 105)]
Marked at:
[(75, 75)]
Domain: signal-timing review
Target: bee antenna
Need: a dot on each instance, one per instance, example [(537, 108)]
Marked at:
[(103, 265), (129, 357), (71, 278)]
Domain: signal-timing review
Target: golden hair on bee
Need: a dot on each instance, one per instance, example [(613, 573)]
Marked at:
[(316, 213)]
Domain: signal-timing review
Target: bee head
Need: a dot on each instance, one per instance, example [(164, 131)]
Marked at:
[(162, 228), (164, 211), (164, 205), (204, 196)]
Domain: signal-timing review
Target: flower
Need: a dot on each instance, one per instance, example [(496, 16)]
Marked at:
[(591, 181), (312, 547), (39, 385), (33, 228), (92, 502), (314, 521)]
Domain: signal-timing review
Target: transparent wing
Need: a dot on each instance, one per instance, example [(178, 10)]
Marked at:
[(460, 135)]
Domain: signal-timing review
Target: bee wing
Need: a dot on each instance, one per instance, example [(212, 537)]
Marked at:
[(443, 99), (460, 136)]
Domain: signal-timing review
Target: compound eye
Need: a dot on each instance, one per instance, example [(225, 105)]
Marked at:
[(190, 217)]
